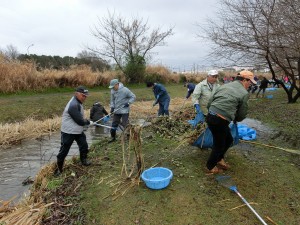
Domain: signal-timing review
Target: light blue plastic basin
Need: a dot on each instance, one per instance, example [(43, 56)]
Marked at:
[(157, 177)]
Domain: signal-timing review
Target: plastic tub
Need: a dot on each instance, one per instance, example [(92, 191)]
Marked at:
[(269, 96), (157, 177)]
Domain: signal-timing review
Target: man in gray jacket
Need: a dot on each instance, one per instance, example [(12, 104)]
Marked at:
[(120, 99), (228, 103), (72, 129)]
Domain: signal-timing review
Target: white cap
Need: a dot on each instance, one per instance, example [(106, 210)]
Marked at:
[(212, 73)]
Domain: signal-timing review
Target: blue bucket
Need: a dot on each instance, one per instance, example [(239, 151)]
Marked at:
[(157, 177)]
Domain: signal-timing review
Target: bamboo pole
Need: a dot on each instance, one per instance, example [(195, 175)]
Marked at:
[(272, 146)]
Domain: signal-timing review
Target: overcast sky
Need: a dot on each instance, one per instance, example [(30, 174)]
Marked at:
[(63, 27)]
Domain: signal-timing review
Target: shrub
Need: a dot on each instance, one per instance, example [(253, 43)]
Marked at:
[(154, 77)]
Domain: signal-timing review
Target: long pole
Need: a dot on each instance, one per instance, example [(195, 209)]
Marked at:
[(108, 114), (249, 206), (28, 48)]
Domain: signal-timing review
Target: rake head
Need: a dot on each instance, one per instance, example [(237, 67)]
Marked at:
[(227, 182)]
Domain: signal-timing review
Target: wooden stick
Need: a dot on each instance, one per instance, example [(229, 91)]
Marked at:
[(272, 146), (253, 203), (272, 221)]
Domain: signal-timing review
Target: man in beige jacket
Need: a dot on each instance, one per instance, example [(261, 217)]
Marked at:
[(202, 93)]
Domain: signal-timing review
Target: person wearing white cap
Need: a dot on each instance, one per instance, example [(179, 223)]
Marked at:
[(201, 95), (228, 103), (120, 99)]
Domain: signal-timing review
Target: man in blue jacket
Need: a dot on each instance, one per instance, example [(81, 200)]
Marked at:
[(72, 126), (191, 88), (161, 97), (120, 99)]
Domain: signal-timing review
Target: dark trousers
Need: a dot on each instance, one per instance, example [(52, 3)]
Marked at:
[(66, 143), (222, 139), (119, 119), (263, 91), (164, 107)]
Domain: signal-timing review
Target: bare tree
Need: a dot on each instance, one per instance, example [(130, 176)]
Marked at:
[(125, 40), (260, 32), (10, 52)]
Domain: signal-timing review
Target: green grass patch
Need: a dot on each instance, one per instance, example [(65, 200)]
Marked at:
[(55, 183), (265, 177), (41, 106)]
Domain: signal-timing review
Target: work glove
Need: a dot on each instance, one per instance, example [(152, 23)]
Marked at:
[(197, 108), (92, 123), (126, 105), (198, 119), (154, 103), (106, 119), (112, 109)]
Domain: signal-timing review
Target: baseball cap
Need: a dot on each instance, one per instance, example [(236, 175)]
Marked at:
[(247, 75), (113, 83), (212, 73), (83, 90)]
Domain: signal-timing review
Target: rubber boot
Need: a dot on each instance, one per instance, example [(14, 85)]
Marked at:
[(59, 168), (113, 133), (84, 161)]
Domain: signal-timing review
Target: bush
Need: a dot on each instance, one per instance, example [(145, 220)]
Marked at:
[(182, 78), (154, 77)]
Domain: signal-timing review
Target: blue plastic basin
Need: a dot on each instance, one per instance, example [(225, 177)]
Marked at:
[(269, 96), (157, 177)]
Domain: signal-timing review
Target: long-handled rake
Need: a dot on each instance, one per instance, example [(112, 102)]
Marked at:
[(181, 106), (109, 114), (227, 182), (148, 116)]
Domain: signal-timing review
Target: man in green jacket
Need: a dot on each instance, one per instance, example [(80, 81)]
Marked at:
[(228, 103)]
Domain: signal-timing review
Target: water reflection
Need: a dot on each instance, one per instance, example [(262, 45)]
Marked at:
[(19, 162)]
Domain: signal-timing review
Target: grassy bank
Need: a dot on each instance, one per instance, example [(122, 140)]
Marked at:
[(16, 108), (268, 178)]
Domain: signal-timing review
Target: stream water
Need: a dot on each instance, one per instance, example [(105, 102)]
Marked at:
[(19, 162), (22, 161)]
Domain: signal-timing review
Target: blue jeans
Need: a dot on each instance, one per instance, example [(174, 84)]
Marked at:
[(163, 107)]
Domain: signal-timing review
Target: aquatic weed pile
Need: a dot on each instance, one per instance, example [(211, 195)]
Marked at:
[(177, 126)]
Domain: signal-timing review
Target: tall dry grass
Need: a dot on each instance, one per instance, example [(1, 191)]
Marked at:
[(195, 77), (166, 75), (18, 76), (14, 133)]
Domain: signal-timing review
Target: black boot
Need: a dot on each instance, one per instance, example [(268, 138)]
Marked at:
[(59, 168), (85, 162), (83, 159), (113, 135)]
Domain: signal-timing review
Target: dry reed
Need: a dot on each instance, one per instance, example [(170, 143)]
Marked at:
[(31, 210), (14, 133), (22, 76)]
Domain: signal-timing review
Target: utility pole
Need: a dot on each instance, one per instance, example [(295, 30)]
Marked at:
[(28, 48)]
